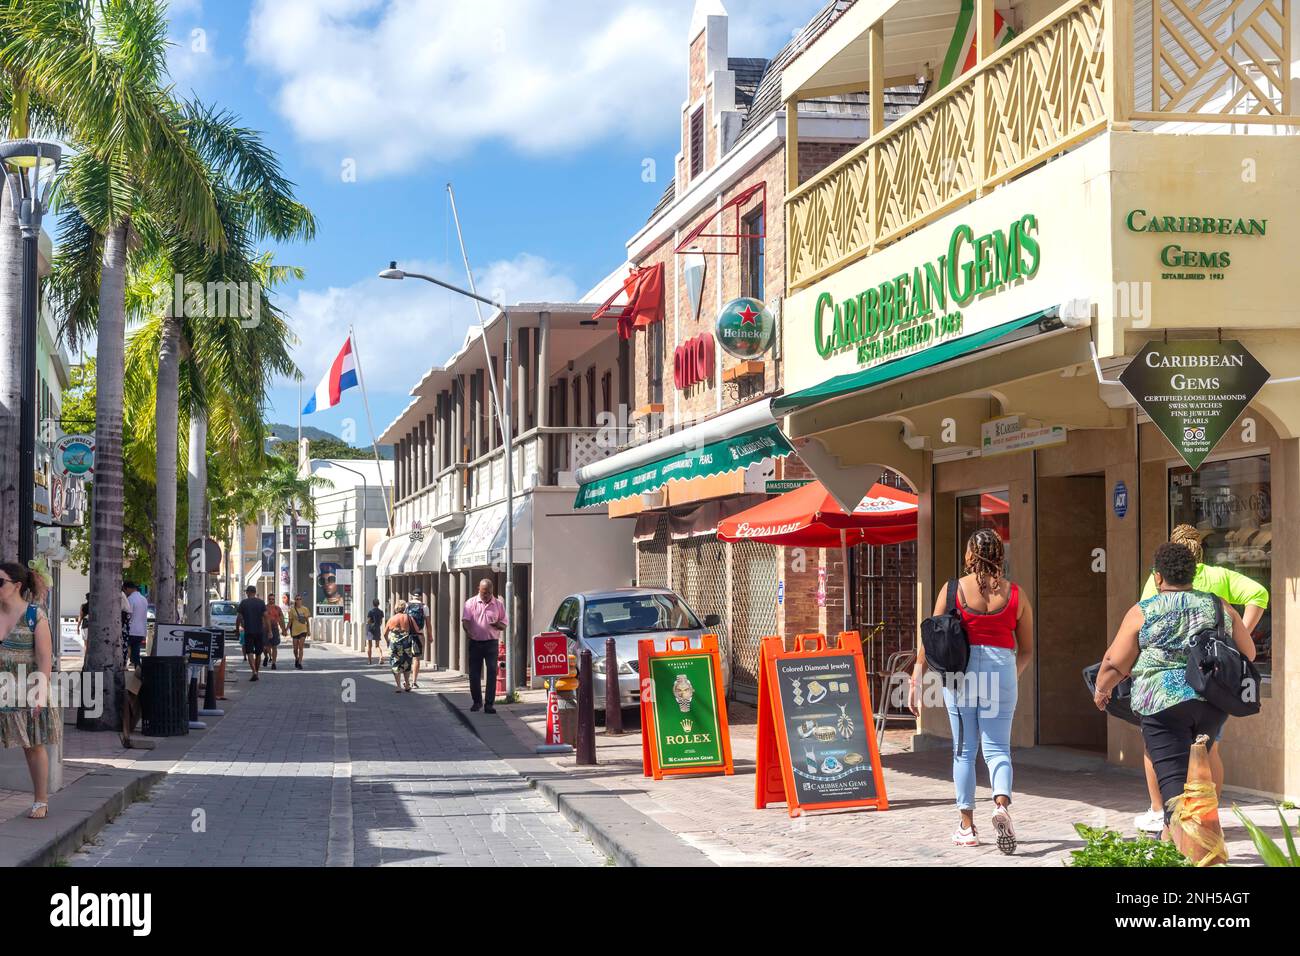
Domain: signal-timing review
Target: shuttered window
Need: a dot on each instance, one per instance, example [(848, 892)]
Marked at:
[(697, 142)]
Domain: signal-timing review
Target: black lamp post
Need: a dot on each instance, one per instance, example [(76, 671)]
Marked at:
[(25, 160)]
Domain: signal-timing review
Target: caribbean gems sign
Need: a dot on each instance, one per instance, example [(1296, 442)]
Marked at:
[(1205, 230), (922, 306), (1194, 391)]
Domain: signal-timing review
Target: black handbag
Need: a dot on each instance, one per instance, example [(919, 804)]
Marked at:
[(1220, 673), (1121, 697), (947, 646)]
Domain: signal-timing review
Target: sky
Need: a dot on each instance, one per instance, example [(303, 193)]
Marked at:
[(555, 120)]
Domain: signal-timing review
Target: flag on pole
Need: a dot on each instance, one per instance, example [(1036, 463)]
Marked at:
[(341, 376), (961, 49)]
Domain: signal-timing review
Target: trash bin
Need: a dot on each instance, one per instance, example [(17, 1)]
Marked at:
[(164, 703)]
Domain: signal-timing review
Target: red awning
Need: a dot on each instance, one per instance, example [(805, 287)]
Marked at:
[(810, 517)]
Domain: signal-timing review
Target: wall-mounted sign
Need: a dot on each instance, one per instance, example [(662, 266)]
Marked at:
[(683, 712), (816, 740), (268, 551), (75, 455), (745, 328), (41, 509), (694, 269), (780, 486), (1174, 253), (1119, 499), (1194, 391), (304, 537), (693, 361), (919, 308), (1000, 436)]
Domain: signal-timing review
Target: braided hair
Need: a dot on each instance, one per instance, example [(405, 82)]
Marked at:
[(1190, 538), (985, 558)]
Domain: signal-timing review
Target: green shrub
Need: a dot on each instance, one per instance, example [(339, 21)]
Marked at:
[(1269, 851), (1105, 847)]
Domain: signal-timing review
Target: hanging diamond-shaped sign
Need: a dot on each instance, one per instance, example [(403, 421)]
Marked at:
[(1194, 391), (694, 266)]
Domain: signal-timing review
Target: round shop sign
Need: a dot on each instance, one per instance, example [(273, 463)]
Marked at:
[(75, 455), (745, 328)]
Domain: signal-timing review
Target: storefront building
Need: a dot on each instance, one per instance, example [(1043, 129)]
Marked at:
[(704, 441), (451, 514), (1022, 236)]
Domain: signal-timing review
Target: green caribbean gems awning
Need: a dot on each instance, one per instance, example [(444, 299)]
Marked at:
[(727, 454), (916, 362)]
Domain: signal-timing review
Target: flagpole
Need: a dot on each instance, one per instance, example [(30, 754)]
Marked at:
[(374, 441)]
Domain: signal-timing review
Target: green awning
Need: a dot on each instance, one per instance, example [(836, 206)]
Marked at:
[(729, 454), (849, 382)]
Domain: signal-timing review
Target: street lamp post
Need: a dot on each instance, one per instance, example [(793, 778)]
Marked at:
[(25, 160), (503, 415)]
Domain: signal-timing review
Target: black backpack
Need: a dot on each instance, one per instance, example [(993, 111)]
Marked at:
[(947, 646), (416, 613), (1220, 673)]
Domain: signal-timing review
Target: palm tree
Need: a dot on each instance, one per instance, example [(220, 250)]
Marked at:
[(138, 177), (291, 493), (256, 202)]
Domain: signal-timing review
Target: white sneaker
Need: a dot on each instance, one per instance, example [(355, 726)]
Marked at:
[(1005, 831), (965, 836), (1153, 821)]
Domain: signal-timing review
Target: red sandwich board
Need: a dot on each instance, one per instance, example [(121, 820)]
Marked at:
[(683, 709), (550, 654), (816, 739)]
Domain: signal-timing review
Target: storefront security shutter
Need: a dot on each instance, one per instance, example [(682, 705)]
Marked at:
[(754, 576), (700, 577), (652, 558)]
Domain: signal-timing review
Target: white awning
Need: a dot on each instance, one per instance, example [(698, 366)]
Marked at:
[(421, 555), (482, 542)]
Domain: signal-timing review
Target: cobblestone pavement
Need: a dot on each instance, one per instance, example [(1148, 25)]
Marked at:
[(297, 775), (716, 813)]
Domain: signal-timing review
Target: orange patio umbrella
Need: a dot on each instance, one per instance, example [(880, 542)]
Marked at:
[(810, 517)]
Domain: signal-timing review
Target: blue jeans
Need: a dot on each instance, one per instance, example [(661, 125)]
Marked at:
[(981, 703)]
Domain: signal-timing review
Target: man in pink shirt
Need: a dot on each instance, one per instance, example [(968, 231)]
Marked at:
[(484, 619)]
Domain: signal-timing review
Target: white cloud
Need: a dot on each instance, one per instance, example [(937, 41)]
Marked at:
[(392, 83), (405, 328)]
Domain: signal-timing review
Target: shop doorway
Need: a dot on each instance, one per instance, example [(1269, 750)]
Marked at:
[(1071, 608)]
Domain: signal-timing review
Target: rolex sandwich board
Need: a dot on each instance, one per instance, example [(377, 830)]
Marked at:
[(683, 709), (816, 739)]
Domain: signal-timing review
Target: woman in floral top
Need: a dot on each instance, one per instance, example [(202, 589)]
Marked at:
[(26, 649), (1152, 644)]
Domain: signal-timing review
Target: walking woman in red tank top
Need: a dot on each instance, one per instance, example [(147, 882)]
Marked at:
[(982, 702)]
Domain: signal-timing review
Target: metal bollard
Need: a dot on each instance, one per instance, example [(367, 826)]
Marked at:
[(586, 743), (613, 705)]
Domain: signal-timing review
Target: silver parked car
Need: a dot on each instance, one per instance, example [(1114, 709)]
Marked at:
[(222, 614), (628, 615)]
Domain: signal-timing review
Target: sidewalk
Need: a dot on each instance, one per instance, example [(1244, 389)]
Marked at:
[(712, 820), (101, 778)]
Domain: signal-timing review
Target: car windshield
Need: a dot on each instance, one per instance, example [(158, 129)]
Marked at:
[(609, 617), (224, 608)]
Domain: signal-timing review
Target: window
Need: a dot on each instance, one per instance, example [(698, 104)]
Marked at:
[(656, 346), (697, 142), (752, 227), (1231, 504), (610, 617), (567, 615), (991, 509)]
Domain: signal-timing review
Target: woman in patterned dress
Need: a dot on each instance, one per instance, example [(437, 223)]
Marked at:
[(1153, 643), (27, 717), (401, 652)]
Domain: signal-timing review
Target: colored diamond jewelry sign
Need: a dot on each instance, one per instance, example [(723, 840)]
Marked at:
[(745, 328), (1194, 391)]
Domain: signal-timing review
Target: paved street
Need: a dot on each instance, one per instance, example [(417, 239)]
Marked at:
[(296, 776)]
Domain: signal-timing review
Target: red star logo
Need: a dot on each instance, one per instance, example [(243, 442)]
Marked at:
[(749, 316)]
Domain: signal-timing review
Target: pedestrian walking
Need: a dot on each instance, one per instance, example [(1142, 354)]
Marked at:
[(400, 647), (1152, 644), (1236, 589), (299, 625), (275, 624), (415, 610), (137, 628), (484, 618), (250, 620), (982, 702), (32, 722), (374, 630), (83, 620)]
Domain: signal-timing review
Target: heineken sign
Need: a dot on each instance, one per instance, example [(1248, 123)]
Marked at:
[(922, 306), (1194, 391), (745, 328)]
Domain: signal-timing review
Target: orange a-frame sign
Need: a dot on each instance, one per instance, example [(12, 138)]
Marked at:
[(683, 709), (816, 737)]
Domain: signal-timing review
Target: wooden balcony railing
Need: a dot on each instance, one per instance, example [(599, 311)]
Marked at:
[(1051, 88)]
